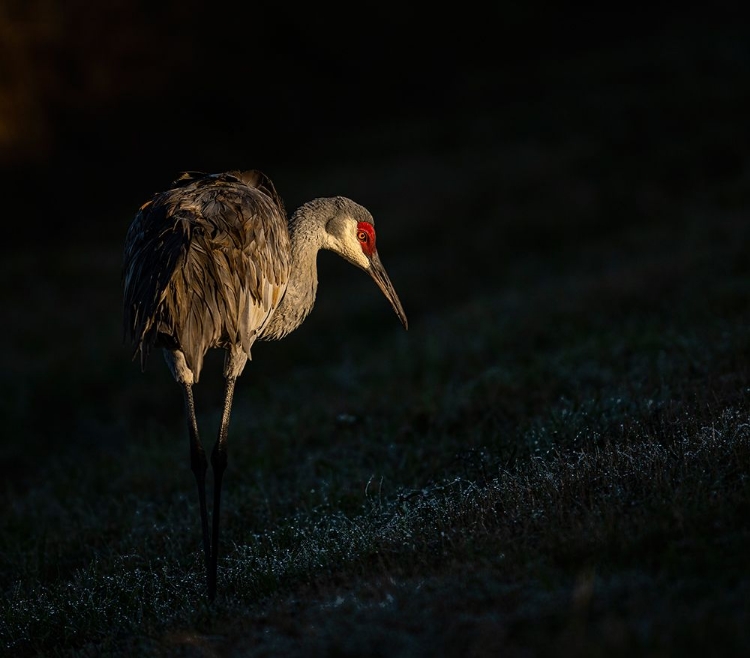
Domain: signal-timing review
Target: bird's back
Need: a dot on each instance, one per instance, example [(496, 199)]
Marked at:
[(206, 263)]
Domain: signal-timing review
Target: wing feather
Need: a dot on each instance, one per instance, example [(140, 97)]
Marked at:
[(198, 271)]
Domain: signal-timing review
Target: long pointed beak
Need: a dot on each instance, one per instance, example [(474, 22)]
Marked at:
[(380, 276)]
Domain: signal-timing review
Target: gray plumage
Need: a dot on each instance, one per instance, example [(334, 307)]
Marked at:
[(206, 264), (213, 262)]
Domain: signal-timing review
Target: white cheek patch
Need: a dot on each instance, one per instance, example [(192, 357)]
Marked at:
[(348, 246), (352, 252)]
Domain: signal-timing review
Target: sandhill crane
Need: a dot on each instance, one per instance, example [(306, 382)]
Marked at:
[(213, 262)]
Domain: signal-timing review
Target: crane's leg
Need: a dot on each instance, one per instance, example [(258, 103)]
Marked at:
[(199, 466), (234, 363), (219, 465)]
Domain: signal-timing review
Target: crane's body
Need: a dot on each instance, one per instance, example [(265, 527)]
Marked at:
[(213, 262)]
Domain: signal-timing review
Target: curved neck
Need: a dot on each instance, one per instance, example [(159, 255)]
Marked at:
[(302, 287)]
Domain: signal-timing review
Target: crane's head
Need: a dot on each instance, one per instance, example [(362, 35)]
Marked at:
[(350, 232)]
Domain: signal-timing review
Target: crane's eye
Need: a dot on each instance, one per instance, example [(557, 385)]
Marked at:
[(366, 237)]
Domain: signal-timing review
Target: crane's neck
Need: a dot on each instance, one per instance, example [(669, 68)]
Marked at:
[(299, 298)]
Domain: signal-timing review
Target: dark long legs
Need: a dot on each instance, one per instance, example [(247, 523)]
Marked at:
[(219, 465), (199, 466)]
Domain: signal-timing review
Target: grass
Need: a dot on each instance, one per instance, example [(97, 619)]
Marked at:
[(552, 461)]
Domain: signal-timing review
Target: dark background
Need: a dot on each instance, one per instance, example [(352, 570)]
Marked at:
[(495, 145), (102, 104)]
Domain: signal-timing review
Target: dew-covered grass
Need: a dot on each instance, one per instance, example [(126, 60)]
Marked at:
[(553, 460)]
